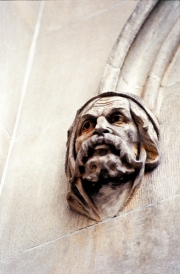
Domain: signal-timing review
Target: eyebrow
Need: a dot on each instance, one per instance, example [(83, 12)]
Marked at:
[(122, 110), (88, 116)]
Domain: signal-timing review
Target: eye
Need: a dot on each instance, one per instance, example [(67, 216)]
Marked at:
[(88, 125), (117, 118)]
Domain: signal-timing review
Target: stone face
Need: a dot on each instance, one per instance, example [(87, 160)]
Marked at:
[(113, 138), (39, 234), (69, 49)]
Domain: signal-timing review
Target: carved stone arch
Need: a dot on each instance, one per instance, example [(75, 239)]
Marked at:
[(145, 61), (141, 64), (144, 50)]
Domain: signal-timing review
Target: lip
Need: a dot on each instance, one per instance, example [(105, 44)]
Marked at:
[(101, 150), (102, 146)]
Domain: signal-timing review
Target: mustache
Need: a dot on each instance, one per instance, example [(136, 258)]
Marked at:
[(109, 139)]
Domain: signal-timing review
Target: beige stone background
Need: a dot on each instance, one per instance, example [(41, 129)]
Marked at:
[(53, 56)]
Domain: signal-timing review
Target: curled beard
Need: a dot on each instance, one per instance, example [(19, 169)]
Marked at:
[(104, 159)]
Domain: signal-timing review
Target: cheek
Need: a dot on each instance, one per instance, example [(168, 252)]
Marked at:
[(80, 139), (128, 132), (133, 139), (132, 133)]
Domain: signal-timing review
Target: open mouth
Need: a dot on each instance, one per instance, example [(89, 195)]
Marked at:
[(101, 150)]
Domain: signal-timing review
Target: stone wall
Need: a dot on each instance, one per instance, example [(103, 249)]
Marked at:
[(53, 56)]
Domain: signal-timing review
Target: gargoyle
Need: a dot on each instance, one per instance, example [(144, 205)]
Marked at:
[(112, 141)]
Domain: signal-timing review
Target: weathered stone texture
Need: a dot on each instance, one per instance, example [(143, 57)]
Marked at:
[(74, 41), (136, 242), (16, 31), (39, 233)]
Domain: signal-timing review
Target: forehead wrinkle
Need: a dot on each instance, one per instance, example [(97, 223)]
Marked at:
[(105, 106), (88, 107), (112, 101)]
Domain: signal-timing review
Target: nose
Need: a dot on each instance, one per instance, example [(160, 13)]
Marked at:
[(102, 126)]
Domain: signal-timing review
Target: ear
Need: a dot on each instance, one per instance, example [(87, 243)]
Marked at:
[(148, 134)]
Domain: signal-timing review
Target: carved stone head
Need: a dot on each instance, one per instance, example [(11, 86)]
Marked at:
[(111, 142)]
